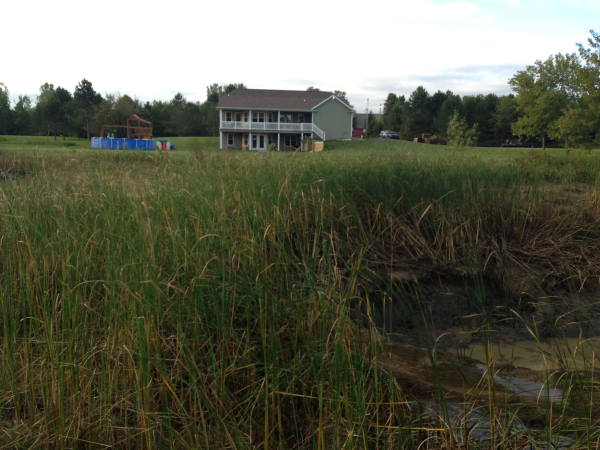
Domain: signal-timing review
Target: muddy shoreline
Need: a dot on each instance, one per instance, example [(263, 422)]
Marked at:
[(447, 311)]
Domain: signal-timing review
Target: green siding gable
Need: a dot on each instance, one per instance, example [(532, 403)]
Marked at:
[(334, 118)]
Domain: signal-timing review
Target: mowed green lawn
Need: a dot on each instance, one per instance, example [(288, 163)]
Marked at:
[(48, 143), (187, 144)]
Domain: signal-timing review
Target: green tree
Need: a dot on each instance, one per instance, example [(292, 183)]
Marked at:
[(581, 119), (459, 133), (195, 125), (452, 103), (5, 112), (215, 91), (391, 101), (418, 119), (22, 115), (178, 115), (435, 103), (159, 114), (208, 110), (480, 109), (51, 108), (232, 87), (505, 115), (313, 89), (374, 128), (65, 112), (396, 117), (544, 91), (86, 101), (210, 118)]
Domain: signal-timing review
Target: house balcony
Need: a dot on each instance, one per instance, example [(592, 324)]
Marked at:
[(273, 127)]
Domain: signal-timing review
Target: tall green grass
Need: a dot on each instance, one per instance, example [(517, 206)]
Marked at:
[(209, 300)]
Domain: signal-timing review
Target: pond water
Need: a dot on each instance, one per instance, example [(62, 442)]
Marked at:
[(553, 354)]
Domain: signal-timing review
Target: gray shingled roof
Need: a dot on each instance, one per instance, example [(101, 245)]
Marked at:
[(273, 99)]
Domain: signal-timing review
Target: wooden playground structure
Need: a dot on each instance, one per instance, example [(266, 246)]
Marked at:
[(136, 128)]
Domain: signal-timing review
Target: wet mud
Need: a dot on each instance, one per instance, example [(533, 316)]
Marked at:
[(448, 311)]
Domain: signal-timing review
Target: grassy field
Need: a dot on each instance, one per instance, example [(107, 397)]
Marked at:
[(40, 143), (211, 299)]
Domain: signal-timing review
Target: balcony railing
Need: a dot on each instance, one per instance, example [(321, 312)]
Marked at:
[(273, 126)]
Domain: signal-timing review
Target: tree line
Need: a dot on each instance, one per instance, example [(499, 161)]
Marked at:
[(81, 113), (423, 113), (556, 102)]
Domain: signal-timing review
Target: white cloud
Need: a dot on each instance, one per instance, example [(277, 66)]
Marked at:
[(154, 49)]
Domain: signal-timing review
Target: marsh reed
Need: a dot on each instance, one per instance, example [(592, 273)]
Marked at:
[(158, 301)]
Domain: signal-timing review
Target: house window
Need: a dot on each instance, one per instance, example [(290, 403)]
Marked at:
[(270, 117), (290, 140), (258, 117), (230, 139), (281, 118), (238, 117), (245, 117), (288, 118), (227, 117), (245, 139), (300, 118)]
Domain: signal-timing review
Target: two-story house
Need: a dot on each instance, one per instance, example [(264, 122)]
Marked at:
[(254, 118)]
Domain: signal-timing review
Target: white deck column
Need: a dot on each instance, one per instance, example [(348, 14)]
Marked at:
[(220, 140), (278, 141), (220, 118), (278, 125), (249, 141)]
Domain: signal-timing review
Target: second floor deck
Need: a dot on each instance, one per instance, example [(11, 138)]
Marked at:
[(269, 121), (268, 126)]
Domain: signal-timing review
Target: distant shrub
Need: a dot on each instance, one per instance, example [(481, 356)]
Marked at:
[(459, 133)]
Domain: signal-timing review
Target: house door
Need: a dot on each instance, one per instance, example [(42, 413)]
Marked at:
[(259, 142)]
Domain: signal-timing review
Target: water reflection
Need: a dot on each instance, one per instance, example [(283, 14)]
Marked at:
[(526, 388), (553, 354)]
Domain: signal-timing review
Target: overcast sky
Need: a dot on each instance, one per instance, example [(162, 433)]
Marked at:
[(153, 49)]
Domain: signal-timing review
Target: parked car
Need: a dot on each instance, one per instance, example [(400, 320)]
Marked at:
[(517, 144), (388, 134)]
